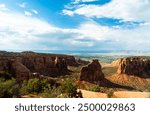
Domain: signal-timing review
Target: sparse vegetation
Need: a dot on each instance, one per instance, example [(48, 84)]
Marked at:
[(7, 88), (95, 88), (69, 88), (34, 86)]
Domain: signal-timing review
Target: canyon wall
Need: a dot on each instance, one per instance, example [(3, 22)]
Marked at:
[(138, 66), (22, 65)]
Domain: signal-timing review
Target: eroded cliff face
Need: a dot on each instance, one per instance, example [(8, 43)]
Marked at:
[(22, 65), (15, 68), (138, 66), (92, 73), (116, 63), (45, 64)]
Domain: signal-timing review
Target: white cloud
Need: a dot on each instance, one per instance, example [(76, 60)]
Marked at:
[(35, 11), (3, 7), (127, 10), (31, 33), (27, 13), (68, 12), (78, 1), (23, 5), (23, 32)]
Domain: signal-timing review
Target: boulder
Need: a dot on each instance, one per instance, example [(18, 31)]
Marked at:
[(92, 73)]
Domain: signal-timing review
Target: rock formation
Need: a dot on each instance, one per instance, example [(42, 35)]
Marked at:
[(92, 73), (15, 68), (22, 65), (138, 66)]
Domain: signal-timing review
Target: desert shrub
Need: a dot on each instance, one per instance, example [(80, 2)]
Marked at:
[(95, 88), (7, 88), (69, 88), (6, 75), (51, 92), (34, 86), (110, 93)]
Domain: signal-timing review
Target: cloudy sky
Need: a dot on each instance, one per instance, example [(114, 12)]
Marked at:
[(74, 25)]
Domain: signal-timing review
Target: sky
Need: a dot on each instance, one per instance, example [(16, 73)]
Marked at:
[(74, 25)]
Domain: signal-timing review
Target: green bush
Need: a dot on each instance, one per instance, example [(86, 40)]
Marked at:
[(69, 88), (34, 86), (7, 88), (95, 88)]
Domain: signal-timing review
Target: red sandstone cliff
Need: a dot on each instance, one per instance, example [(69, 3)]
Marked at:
[(138, 66), (22, 65)]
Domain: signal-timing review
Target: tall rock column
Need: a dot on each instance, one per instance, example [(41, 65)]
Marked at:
[(92, 73)]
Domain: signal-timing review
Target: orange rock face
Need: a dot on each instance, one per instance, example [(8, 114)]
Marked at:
[(116, 63)]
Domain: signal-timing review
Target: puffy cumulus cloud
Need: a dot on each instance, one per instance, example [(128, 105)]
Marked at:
[(127, 10)]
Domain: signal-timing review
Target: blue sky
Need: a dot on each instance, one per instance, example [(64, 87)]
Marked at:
[(74, 25)]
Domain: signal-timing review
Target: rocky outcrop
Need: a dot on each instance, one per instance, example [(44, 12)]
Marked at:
[(138, 66), (92, 73)]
